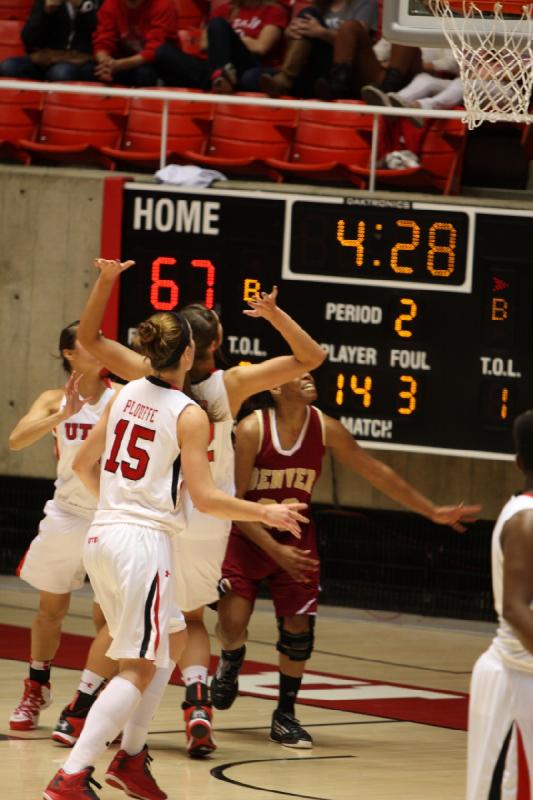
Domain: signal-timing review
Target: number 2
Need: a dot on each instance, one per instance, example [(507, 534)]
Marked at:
[(408, 317)]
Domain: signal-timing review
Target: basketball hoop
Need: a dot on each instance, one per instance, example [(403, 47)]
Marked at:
[(493, 44)]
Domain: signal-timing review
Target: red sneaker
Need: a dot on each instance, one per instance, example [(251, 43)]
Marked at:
[(69, 726), (132, 774), (72, 787), (199, 729), (36, 697)]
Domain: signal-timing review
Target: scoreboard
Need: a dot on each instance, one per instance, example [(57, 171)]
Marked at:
[(424, 308)]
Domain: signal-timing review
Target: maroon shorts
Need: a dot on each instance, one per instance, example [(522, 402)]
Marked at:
[(246, 566)]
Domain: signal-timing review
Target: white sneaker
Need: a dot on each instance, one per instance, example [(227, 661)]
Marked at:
[(36, 697)]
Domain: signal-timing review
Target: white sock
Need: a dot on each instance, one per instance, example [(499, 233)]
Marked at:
[(107, 717), (90, 682), (195, 674), (136, 728)]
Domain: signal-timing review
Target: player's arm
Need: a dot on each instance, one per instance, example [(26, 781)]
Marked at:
[(517, 547), (297, 563), (42, 418), (193, 438), (86, 463), (46, 413), (242, 382), (347, 452), (120, 360)]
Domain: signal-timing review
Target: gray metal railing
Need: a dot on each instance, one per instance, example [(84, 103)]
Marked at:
[(167, 95)]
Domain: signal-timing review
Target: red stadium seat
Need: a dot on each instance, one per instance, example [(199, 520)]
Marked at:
[(325, 142), (441, 159), (15, 9), (10, 41), (19, 119), (74, 126), (243, 137), (188, 126)]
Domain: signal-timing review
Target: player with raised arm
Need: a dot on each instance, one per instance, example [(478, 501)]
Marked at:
[(53, 562), (200, 547), (500, 728), (151, 437), (278, 458)]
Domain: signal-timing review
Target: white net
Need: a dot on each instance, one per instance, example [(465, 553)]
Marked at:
[(495, 55)]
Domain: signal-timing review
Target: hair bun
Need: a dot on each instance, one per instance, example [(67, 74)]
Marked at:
[(148, 331)]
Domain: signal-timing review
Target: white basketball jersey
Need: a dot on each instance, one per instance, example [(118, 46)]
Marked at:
[(140, 476), (212, 396), (506, 643), (70, 493)]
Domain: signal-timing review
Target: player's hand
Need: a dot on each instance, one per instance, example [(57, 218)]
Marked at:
[(296, 563), (263, 305), (285, 516), (456, 515), (111, 269), (74, 401)]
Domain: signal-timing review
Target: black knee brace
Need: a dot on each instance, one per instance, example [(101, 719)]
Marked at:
[(297, 646)]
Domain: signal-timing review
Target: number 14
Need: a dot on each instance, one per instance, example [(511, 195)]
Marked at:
[(363, 388)]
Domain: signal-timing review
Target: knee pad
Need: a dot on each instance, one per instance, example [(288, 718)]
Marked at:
[(296, 646)]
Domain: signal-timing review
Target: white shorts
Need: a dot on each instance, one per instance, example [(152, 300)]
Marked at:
[(177, 620), (131, 571), (500, 730), (199, 551), (53, 562)]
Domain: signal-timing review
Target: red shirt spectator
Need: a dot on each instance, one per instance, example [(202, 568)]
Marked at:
[(249, 21), (130, 27)]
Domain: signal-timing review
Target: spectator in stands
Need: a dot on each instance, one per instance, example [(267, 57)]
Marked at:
[(240, 39), (357, 63), (58, 41), (127, 38), (426, 90), (243, 35), (311, 38)]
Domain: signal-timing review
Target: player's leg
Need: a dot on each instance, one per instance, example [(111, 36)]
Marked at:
[(45, 636), (196, 707), (243, 568), (234, 612), (130, 769), (198, 555), (108, 715), (53, 565), (131, 573), (523, 700), (490, 729), (296, 606), (97, 671), (295, 645)]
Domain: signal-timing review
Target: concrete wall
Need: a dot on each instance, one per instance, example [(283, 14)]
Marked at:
[(50, 232)]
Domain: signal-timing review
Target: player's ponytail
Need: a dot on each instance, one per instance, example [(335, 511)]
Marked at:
[(67, 341), (205, 327)]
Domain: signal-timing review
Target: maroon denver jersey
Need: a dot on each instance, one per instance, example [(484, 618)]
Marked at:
[(279, 476), (283, 476)]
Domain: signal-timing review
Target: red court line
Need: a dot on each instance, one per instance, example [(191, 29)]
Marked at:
[(450, 710)]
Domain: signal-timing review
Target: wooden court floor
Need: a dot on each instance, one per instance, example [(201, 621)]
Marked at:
[(384, 704)]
